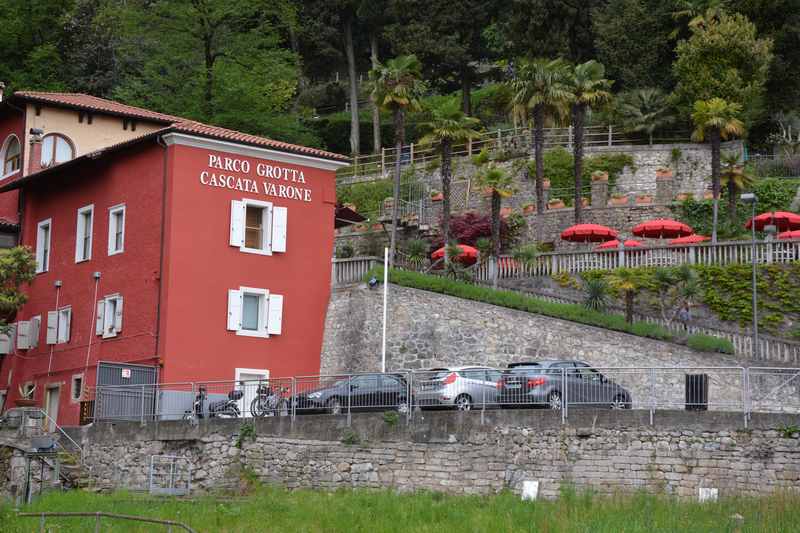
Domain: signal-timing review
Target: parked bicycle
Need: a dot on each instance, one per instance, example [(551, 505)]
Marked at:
[(269, 402)]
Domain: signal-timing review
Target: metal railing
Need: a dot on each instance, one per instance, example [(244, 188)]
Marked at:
[(562, 387), (43, 516), (512, 141)]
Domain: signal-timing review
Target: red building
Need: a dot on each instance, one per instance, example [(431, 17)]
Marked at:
[(198, 251)]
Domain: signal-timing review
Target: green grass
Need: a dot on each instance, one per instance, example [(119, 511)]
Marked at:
[(274, 509), (521, 302), (709, 343)]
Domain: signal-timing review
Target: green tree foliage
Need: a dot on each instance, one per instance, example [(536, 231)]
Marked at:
[(17, 267), (723, 58), (644, 111), (735, 178)]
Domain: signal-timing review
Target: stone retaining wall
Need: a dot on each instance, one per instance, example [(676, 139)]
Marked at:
[(469, 453)]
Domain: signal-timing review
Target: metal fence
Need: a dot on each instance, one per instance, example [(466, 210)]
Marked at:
[(563, 386)]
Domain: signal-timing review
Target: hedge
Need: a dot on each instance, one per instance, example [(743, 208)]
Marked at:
[(708, 343)]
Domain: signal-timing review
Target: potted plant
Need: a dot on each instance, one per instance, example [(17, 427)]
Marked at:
[(528, 208), (599, 175), (556, 203), (487, 192), (505, 212), (377, 226), (437, 196), (619, 199), (388, 202), (683, 196), (708, 195), (644, 199), (584, 201), (361, 228), (663, 173), (26, 398)]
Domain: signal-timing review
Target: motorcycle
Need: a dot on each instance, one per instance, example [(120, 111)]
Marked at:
[(197, 410), (220, 409), (269, 402)]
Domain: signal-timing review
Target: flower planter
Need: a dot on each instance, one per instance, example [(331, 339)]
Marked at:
[(505, 212), (25, 402), (361, 228), (556, 204), (599, 175), (663, 173), (619, 200), (644, 199), (438, 197), (708, 195), (377, 227), (528, 209)]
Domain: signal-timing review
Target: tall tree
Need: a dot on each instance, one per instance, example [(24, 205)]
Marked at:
[(736, 179), (588, 88), (540, 89), (396, 88), (448, 126), (497, 180), (724, 59), (374, 15), (644, 111), (716, 120)]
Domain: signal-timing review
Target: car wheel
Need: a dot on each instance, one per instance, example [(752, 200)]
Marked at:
[(620, 402), (334, 406), (554, 400), (464, 403)]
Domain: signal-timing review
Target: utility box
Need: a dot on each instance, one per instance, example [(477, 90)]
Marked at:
[(697, 392)]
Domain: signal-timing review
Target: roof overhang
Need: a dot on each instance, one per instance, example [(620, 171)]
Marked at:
[(240, 148)]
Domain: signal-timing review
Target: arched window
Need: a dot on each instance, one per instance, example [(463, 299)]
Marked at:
[(56, 149), (11, 155)]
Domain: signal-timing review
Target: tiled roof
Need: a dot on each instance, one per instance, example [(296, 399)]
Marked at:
[(182, 125)]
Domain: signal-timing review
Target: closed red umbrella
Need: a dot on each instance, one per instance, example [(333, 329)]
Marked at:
[(468, 254), (783, 220), (689, 239), (787, 235), (663, 228), (588, 233), (611, 245)]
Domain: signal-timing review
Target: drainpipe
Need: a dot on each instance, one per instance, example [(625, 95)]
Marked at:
[(52, 346), (96, 277)]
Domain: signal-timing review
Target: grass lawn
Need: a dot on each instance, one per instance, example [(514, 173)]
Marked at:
[(273, 509)]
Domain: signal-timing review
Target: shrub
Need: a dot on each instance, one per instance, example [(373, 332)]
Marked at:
[(653, 331), (709, 343), (345, 251), (468, 228), (559, 165)]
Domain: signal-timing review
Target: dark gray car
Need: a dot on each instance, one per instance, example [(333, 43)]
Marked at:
[(551, 383)]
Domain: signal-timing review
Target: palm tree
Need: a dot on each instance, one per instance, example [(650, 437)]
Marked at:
[(644, 111), (715, 120), (625, 281), (698, 13), (734, 177), (448, 126), (539, 88), (396, 87), (588, 88), (500, 183)]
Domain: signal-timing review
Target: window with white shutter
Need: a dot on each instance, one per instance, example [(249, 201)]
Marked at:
[(43, 232), (258, 227), (100, 319), (36, 324), (111, 316), (64, 325), (254, 312), (23, 335), (52, 327), (7, 339), (83, 234)]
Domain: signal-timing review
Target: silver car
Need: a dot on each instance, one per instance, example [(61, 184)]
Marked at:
[(462, 387)]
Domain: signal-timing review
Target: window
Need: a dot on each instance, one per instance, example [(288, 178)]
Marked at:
[(254, 312), (56, 149), (258, 227), (11, 155), (116, 229), (7, 339), (77, 387), (43, 246), (35, 328), (3, 395), (59, 324), (83, 238), (109, 316)]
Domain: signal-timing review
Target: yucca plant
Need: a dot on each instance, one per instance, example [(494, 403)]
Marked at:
[(596, 294), (416, 252)]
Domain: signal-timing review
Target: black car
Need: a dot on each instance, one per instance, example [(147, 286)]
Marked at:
[(551, 383), (364, 392)]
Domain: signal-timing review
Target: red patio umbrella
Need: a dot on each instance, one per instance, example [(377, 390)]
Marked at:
[(786, 235), (689, 239), (468, 254), (612, 245), (588, 233), (662, 228), (783, 220)]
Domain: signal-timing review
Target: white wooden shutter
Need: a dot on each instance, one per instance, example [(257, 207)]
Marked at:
[(234, 310), (36, 323), (52, 327), (118, 316), (279, 216), (237, 223), (275, 314), (23, 335), (101, 311)]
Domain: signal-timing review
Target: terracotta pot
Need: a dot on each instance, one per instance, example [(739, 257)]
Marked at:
[(361, 228), (599, 175), (24, 402), (584, 202), (682, 197), (529, 209), (438, 197), (505, 212), (556, 204), (644, 199), (664, 173), (377, 227), (618, 201), (708, 195)]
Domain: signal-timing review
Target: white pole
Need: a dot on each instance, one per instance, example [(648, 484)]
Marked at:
[(385, 301)]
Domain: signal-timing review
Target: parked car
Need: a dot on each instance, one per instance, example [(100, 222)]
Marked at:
[(358, 393), (462, 387), (543, 384)]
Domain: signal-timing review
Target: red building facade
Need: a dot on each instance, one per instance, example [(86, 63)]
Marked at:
[(196, 250)]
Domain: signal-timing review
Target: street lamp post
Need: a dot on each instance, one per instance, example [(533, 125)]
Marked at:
[(752, 199)]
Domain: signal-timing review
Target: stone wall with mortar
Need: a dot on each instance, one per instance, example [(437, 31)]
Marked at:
[(466, 453)]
